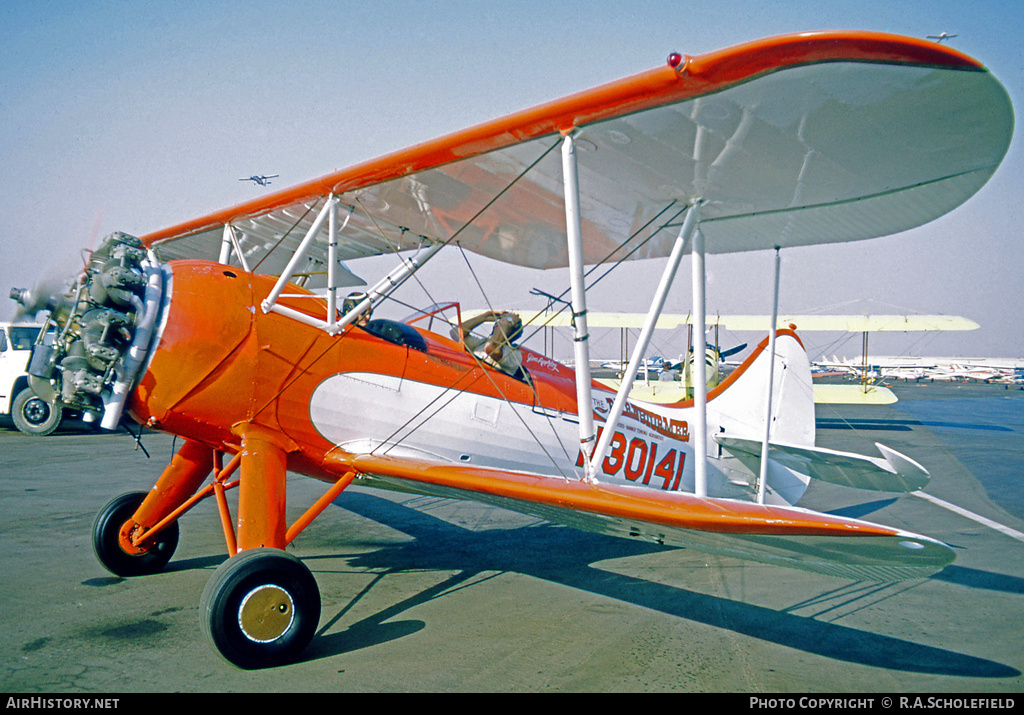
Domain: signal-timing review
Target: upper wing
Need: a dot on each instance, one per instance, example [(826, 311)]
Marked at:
[(792, 140), (785, 536)]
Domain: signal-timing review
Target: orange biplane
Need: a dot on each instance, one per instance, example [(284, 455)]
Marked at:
[(229, 330)]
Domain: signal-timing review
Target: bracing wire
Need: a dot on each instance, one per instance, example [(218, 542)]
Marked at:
[(433, 407), (285, 235), (494, 199), (447, 241), (560, 297), (602, 262)]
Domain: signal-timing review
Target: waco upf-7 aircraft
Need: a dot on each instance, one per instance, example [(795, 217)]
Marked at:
[(210, 330)]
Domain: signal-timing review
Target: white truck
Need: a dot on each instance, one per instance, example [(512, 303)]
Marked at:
[(30, 414)]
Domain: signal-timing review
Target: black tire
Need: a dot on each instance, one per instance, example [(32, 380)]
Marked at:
[(106, 541), (34, 416), (261, 608)]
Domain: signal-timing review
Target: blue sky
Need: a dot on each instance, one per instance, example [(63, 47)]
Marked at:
[(136, 115)]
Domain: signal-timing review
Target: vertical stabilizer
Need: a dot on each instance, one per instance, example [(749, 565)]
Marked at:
[(738, 411), (738, 406)]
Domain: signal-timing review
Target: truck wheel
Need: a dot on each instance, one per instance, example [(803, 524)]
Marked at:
[(33, 416)]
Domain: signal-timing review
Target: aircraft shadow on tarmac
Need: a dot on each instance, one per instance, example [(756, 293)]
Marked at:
[(563, 555), (960, 575), (901, 425), (976, 578), (859, 511)]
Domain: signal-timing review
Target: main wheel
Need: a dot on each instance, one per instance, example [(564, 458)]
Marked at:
[(33, 416), (261, 608), (111, 550)]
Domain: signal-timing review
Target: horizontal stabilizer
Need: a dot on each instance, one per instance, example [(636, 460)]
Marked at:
[(894, 472), (784, 536)]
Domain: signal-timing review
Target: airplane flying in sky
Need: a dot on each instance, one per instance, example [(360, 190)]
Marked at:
[(212, 329), (260, 180)]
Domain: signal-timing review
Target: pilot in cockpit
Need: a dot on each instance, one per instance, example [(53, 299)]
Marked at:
[(499, 349), (351, 301)]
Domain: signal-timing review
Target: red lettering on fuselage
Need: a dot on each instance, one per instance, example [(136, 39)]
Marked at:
[(638, 459)]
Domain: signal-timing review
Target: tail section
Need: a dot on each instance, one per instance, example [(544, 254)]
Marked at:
[(739, 406), (736, 423)]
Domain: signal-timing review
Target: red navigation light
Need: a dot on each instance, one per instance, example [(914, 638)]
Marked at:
[(674, 60)]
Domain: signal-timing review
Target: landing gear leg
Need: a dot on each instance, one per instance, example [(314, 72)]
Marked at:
[(261, 608), (127, 515)]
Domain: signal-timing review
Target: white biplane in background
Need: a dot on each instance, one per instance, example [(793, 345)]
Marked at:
[(866, 371), (870, 390), (210, 330)]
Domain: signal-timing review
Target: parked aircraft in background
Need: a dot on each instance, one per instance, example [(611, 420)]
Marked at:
[(883, 367)]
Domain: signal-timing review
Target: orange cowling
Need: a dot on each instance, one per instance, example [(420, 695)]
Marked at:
[(215, 380), (200, 378)]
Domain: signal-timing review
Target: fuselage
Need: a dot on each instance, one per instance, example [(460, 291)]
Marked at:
[(390, 389)]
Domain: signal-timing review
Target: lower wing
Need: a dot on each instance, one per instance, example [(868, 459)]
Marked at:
[(792, 537)]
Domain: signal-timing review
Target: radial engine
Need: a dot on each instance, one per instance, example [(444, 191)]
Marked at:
[(99, 331)]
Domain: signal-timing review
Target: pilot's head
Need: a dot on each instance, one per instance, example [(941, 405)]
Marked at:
[(507, 330), (512, 327), (353, 300)]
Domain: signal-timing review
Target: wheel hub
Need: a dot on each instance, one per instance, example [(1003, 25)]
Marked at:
[(266, 613), (126, 539), (36, 411)]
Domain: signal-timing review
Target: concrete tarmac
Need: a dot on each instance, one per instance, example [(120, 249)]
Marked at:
[(426, 594)]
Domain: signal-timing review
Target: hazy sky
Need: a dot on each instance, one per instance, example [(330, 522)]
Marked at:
[(136, 115)]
